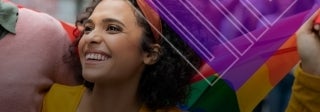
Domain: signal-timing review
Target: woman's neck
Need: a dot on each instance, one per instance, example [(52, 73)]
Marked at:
[(114, 98)]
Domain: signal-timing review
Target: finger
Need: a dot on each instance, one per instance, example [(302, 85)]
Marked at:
[(310, 22), (316, 28)]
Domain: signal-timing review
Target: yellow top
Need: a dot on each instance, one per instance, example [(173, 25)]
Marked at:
[(62, 98), (305, 95)]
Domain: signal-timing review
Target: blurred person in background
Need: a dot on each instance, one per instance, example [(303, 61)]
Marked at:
[(32, 47)]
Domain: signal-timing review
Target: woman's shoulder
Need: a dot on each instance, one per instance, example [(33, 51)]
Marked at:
[(62, 98), (65, 92)]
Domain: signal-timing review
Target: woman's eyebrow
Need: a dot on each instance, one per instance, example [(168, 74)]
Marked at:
[(112, 20), (87, 21)]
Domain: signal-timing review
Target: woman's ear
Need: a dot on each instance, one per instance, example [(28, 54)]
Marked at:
[(152, 57)]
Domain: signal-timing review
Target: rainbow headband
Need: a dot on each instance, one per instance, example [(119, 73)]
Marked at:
[(152, 17)]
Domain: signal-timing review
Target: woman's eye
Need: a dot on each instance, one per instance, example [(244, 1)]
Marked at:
[(113, 29), (87, 29)]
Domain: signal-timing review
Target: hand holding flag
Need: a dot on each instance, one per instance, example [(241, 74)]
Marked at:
[(309, 44)]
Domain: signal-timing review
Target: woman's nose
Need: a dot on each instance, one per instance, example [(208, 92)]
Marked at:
[(94, 38)]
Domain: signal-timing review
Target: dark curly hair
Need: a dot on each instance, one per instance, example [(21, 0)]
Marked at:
[(163, 84)]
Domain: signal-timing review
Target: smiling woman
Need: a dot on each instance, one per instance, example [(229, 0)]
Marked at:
[(124, 63)]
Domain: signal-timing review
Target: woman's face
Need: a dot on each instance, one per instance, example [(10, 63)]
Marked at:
[(110, 49)]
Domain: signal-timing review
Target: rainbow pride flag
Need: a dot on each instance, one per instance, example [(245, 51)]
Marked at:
[(248, 46)]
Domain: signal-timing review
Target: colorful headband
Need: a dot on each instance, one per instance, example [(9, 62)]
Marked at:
[(153, 17)]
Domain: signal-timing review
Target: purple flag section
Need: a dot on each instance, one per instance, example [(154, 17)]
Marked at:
[(235, 37)]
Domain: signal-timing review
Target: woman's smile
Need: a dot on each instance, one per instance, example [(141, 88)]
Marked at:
[(93, 57)]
